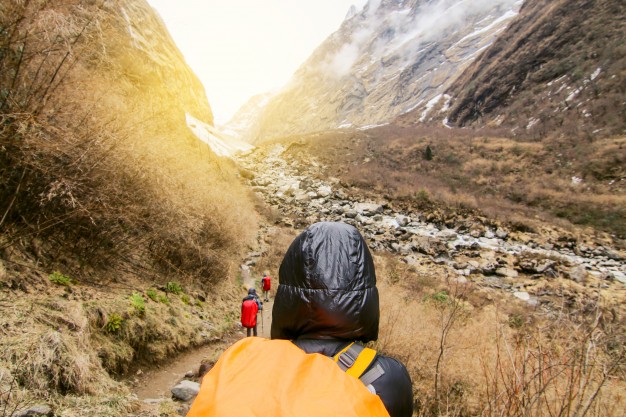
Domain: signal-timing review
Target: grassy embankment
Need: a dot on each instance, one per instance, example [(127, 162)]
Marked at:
[(120, 234)]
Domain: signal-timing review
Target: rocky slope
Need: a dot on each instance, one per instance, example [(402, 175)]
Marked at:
[(559, 66), (478, 249), (389, 58)]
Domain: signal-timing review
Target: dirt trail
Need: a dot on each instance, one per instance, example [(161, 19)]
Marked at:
[(157, 382)]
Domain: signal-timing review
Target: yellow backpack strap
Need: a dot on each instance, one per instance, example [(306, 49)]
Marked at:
[(354, 359)]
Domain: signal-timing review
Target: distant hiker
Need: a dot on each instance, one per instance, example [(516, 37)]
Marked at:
[(266, 284), (326, 300), (250, 307)]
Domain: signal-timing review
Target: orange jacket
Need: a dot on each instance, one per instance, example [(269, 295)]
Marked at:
[(261, 377)]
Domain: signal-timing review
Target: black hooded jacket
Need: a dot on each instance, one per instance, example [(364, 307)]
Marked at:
[(327, 298)]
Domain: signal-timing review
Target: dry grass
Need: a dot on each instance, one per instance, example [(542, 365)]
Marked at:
[(559, 180), (468, 356), (103, 182)]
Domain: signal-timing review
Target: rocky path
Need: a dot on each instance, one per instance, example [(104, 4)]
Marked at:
[(474, 249)]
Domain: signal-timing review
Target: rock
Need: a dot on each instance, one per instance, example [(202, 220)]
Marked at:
[(38, 410), (620, 276), (489, 268), (368, 209), (185, 390), (447, 235), (402, 220), (351, 213), (324, 191), (3, 271), (577, 274), (506, 272), (522, 295), (501, 234), (429, 246)]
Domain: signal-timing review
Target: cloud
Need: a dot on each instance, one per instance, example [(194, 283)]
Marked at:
[(402, 31), (342, 62)]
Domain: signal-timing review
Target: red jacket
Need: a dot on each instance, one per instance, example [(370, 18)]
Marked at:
[(249, 309), (267, 283)]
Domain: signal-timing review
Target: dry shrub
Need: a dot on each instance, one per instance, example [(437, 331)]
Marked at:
[(497, 358), (49, 349), (99, 163)]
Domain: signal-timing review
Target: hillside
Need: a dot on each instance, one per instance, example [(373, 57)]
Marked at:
[(558, 67), (120, 231)]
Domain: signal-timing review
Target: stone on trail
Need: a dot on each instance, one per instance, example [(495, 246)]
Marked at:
[(38, 410), (186, 390)]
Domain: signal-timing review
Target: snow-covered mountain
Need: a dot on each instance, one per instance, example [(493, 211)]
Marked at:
[(391, 57)]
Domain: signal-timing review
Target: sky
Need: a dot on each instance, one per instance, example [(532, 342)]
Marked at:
[(242, 48)]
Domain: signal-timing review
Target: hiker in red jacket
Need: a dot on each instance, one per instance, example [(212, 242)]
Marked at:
[(266, 284), (250, 307)]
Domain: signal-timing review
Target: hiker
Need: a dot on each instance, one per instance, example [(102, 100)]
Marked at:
[(250, 306), (266, 284), (327, 298)]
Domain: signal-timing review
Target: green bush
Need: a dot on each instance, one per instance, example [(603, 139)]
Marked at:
[(138, 303), (173, 287), (185, 299), (115, 323), (60, 279), (152, 294), (163, 299)]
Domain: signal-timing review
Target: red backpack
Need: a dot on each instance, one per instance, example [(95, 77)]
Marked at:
[(249, 309), (266, 283)]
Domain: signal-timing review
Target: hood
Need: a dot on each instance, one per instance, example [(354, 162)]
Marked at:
[(327, 287)]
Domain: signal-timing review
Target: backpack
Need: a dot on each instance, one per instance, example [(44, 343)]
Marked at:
[(266, 283), (249, 309), (295, 384)]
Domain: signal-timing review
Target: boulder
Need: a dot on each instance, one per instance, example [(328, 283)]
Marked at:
[(368, 209), (430, 246), (402, 220), (577, 274), (38, 410), (185, 390), (506, 272)]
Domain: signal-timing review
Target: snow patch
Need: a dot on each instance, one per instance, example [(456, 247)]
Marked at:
[(573, 95), (368, 127), (531, 123), (446, 104), (218, 143), (508, 15), (429, 106), (595, 74), (345, 125)]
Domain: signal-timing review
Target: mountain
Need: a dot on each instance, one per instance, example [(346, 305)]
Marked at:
[(559, 66), (387, 59)]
